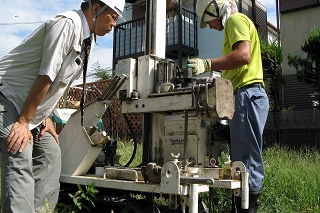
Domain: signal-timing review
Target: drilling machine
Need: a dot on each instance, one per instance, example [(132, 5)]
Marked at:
[(178, 159)]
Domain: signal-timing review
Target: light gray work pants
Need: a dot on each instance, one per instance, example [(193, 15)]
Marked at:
[(30, 179), (246, 129)]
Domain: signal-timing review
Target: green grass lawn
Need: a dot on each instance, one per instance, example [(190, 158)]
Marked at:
[(291, 185), (292, 182), (125, 149)]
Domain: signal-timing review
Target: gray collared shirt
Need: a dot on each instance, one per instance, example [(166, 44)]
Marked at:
[(54, 50)]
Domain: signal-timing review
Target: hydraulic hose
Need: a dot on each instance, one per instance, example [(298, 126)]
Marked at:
[(135, 142)]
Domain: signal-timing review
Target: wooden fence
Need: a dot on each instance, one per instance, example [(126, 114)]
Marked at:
[(120, 128), (294, 128)]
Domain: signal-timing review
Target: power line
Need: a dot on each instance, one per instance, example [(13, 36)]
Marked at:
[(15, 23)]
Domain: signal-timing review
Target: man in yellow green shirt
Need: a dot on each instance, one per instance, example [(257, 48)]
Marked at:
[(241, 64)]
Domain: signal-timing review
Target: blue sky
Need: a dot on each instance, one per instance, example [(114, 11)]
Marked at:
[(271, 10), (20, 17)]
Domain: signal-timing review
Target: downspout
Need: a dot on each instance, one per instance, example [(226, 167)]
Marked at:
[(254, 12), (240, 6), (148, 19), (180, 34), (278, 24)]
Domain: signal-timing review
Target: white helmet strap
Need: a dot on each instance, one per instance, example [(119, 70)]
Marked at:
[(217, 9), (94, 18)]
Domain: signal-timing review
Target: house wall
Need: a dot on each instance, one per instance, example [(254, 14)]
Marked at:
[(209, 42), (272, 32), (295, 27), (297, 94)]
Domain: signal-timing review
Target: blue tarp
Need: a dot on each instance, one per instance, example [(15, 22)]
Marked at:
[(61, 116)]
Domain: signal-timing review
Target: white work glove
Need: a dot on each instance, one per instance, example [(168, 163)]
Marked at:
[(199, 65)]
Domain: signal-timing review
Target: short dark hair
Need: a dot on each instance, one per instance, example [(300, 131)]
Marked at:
[(85, 5)]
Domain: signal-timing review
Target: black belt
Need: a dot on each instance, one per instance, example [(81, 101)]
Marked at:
[(253, 85)]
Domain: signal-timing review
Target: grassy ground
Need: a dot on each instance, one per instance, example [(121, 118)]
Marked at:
[(125, 149), (292, 180), (291, 183)]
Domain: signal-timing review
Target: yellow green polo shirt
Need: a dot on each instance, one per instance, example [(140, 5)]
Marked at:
[(240, 28)]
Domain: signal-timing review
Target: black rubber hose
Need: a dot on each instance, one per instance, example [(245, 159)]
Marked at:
[(111, 124), (135, 142), (95, 89)]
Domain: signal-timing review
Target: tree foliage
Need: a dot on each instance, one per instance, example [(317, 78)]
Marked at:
[(101, 73), (308, 69), (272, 58)]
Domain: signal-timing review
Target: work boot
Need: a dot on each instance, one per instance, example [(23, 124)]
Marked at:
[(254, 201), (236, 204)]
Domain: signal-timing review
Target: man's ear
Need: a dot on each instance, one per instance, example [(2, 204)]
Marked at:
[(95, 9)]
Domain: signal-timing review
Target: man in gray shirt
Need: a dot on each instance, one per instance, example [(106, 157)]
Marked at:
[(33, 77)]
